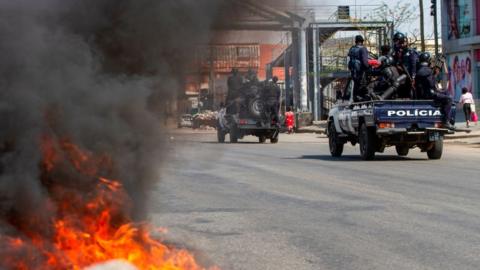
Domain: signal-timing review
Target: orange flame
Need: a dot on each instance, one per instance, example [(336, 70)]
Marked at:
[(90, 228)]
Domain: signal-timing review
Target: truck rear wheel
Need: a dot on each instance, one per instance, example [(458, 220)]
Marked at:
[(334, 143), (233, 134), (436, 151), (402, 150), (220, 135), (367, 141), (262, 138)]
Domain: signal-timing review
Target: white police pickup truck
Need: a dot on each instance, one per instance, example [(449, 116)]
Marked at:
[(375, 125)]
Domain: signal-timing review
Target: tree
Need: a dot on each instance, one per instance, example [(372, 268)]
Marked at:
[(400, 14)]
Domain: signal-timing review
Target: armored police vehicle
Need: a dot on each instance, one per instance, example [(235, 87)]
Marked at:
[(253, 116), (375, 125)]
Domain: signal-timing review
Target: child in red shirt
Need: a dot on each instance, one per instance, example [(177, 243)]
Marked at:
[(289, 120)]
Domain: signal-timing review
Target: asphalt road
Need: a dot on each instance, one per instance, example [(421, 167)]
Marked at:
[(292, 206)]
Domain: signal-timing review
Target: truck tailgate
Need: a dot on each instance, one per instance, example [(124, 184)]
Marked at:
[(422, 113)]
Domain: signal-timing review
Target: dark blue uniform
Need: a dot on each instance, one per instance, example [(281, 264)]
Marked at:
[(359, 66), (407, 59), (426, 88), (388, 82)]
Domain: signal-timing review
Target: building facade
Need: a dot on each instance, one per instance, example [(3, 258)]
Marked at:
[(461, 44)]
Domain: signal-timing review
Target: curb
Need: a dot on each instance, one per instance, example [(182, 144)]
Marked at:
[(462, 137), (310, 131), (447, 137)]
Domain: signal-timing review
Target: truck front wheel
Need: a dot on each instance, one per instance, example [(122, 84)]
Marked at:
[(367, 141), (437, 149), (234, 134), (220, 135), (402, 150), (336, 146)]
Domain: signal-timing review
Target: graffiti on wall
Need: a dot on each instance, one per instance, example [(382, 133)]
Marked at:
[(460, 73)]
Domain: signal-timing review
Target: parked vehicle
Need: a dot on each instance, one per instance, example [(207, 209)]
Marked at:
[(185, 120)]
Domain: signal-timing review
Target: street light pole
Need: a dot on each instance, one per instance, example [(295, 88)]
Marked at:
[(435, 30), (422, 26), (433, 12)]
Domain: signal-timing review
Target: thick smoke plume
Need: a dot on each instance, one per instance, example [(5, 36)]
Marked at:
[(96, 72)]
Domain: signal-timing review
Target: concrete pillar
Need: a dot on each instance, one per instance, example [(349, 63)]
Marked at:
[(303, 70), (288, 80), (320, 85), (315, 74), (296, 68)]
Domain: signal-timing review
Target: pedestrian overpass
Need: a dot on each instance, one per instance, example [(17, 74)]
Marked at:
[(306, 77), (318, 76)]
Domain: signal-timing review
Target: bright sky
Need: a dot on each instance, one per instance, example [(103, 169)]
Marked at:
[(416, 23), (364, 6)]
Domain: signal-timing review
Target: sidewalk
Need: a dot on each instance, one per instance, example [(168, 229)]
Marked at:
[(462, 134), (318, 127)]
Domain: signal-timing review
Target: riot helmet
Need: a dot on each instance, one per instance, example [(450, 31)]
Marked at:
[(359, 39), (399, 38), (425, 57), (385, 60)]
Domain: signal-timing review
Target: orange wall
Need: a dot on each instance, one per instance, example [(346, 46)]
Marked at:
[(268, 53)]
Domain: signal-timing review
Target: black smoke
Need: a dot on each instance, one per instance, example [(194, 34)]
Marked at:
[(98, 72)]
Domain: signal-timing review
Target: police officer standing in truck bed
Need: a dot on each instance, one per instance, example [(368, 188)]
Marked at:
[(406, 58), (358, 66), (426, 88)]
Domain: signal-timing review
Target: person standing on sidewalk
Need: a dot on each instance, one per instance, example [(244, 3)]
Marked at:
[(466, 100), (289, 120)]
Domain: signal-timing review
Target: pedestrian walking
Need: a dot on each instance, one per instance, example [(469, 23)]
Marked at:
[(466, 100), (289, 120)]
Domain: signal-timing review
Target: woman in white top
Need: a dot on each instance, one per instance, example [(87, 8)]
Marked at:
[(467, 100)]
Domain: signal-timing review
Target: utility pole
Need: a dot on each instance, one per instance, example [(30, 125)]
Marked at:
[(422, 26), (433, 12)]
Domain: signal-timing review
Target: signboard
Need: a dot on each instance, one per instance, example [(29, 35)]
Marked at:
[(460, 14), (343, 12), (194, 102), (460, 73)]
